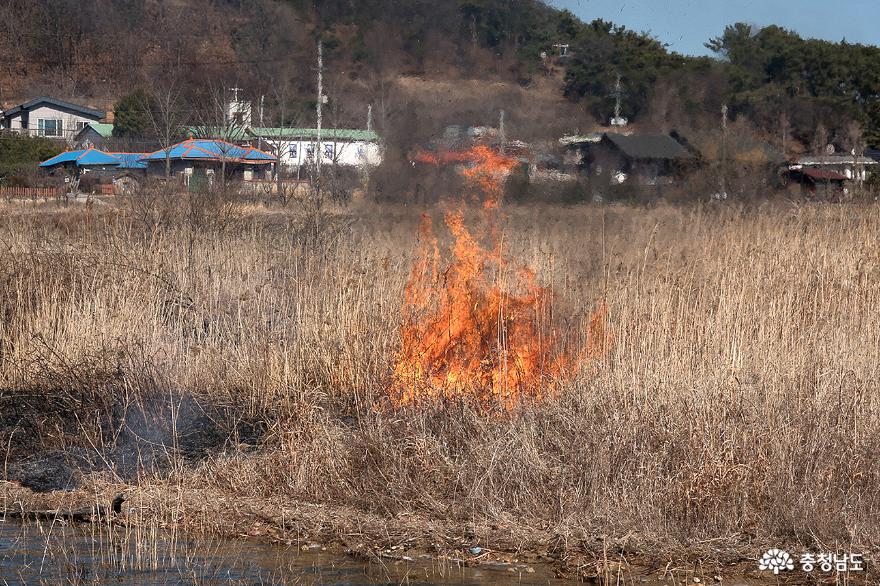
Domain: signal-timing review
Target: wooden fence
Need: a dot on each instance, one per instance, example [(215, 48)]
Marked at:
[(31, 192)]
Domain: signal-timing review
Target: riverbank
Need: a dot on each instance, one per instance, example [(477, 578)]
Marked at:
[(234, 372), (412, 541)]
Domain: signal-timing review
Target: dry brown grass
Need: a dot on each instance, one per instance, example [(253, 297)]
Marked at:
[(738, 407)]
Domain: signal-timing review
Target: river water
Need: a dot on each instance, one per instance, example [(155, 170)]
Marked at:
[(53, 554)]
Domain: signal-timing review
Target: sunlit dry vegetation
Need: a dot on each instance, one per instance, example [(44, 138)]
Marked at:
[(253, 357)]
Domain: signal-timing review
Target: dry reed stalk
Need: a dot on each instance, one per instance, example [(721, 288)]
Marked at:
[(738, 403)]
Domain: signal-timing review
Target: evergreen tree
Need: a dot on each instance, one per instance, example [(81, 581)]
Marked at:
[(131, 117)]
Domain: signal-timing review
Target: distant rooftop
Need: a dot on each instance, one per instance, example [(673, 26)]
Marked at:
[(838, 159), (312, 133), (105, 130), (210, 150), (649, 146), (589, 137), (91, 112)]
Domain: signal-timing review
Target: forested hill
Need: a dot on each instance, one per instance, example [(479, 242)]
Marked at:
[(99, 50)]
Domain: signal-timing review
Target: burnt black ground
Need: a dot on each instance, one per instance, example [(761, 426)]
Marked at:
[(48, 447)]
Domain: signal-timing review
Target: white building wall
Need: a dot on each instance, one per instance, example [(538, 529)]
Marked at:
[(293, 153)]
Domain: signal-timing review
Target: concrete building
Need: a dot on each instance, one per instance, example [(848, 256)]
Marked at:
[(299, 146)]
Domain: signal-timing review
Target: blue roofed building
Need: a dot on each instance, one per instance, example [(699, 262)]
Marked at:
[(89, 158), (195, 161), (199, 161)]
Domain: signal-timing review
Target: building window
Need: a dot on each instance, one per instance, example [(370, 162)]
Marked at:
[(310, 151), (293, 151), (49, 127), (80, 125), (329, 150)]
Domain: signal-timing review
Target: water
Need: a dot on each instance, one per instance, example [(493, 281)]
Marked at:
[(54, 554)]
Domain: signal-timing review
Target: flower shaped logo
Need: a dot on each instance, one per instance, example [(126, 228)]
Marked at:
[(776, 560)]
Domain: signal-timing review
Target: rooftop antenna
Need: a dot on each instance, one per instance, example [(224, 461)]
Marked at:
[(618, 94)]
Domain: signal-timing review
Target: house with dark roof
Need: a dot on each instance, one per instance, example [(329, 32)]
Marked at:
[(818, 182), (649, 159), (49, 117), (852, 167)]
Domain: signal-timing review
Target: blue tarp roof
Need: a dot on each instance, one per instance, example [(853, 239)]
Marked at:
[(130, 160), (190, 150), (82, 158), (212, 150)]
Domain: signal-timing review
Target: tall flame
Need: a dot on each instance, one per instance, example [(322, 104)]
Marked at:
[(478, 328)]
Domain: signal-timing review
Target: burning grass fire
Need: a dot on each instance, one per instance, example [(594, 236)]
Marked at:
[(480, 328)]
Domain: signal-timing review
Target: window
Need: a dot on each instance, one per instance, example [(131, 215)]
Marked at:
[(310, 151), (80, 125), (49, 127), (293, 151), (329, 150)]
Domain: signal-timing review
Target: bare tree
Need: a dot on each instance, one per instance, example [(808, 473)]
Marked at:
[(784, 132), (223, 116), (165, 110), (284, 139), (820, 140)]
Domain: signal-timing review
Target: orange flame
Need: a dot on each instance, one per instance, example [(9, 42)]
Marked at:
[(477, 328)]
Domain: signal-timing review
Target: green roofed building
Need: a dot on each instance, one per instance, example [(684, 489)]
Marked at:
[(338, 146), (94, 134)]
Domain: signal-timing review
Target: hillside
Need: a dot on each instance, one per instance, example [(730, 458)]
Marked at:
[(97, 51)]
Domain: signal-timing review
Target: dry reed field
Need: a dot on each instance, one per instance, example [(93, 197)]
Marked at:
[(242, 373)]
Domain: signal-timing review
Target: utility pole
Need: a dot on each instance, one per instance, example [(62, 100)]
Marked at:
[(617, 94), (260, 139), (501, 131), (785, 128), (318, 153), (369, 117), (723, 192)]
